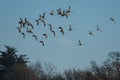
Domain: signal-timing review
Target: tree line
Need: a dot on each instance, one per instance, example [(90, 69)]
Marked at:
[(15, 67)]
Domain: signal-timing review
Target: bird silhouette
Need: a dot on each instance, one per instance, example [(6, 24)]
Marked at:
[(52, 12), (45, 35), (41, 17), (63, 13), (31, 25), (25, 20), (29, 30), (68, 10), (50, 25), (35, 37), (60, 27), (59, 11), (79, 43), (61, 30), (66, 15), (113, 20), (38, 22), (42, 42), (91, 33), (23, 34), (19, 29), (21, 19), (44, 23), (70, 28), (27, 23), (21, 22), (98, 28), (53, 33)]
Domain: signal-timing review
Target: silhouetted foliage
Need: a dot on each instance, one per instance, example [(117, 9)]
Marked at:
[(8, 58), (38, 70), (14, 67), (19, 72), (109, 70)]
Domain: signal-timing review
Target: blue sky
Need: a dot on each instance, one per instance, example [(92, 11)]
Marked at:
[(63, 51)]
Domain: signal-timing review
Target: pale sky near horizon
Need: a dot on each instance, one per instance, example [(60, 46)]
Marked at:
[(63, 51)]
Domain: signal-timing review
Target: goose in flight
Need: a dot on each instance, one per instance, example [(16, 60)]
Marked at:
[(45, 35), (91, 33), (21, 22), (52, 12), (19, 29), (61, 30), (29, 30), (35, 37), (79, 43), (26, 22), (98, 28), (66, 15), (70, 28), (44, 23), (50, 27), (63, 13), (41, 17), (113, 20), (59, 12), (53, 32), (31, 25), (23, 34), (68, 10), (42, 42), (38, 22)]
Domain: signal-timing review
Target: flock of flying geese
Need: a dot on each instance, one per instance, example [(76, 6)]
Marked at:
[(28, 26)]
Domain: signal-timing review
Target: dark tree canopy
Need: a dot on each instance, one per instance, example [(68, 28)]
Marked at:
[(14, 67), (8, 58)]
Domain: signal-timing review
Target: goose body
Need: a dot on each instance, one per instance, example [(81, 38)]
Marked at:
[(70, 28), (53, 33), (19, 29), (79, 43), (45, 35), (98, 28), (50, 27), (35, 37), (52, 12), (91, 33), (23, 34), (42, 42), (112, 19)]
